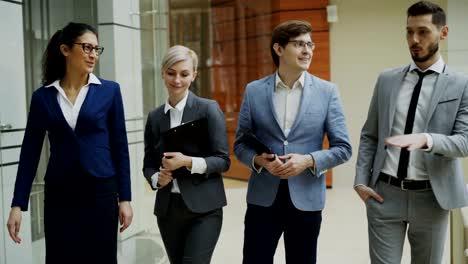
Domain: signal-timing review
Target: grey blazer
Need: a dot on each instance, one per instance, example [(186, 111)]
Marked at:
[(200, 192), (447, 123)]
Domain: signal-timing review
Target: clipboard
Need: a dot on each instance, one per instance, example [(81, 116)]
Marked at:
[(191, 139), (252, 141)]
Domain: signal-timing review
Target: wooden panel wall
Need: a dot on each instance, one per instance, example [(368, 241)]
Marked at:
[(241, 52)]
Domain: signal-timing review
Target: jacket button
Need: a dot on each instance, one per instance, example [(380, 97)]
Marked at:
[(285, 143)]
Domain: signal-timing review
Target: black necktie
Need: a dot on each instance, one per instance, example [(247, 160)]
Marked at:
[(404, 153)]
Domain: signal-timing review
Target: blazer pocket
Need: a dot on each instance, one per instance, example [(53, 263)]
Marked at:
[(107, 147), (314, 116), (443, 157), (313, 113), (198, 179), (94, 117), (447, 101)]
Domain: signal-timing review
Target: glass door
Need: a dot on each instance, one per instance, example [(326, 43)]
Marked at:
[(2, 223), (9, 154), (12, 122)]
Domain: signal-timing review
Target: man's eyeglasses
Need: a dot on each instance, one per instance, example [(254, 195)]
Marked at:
[(302, 44), (87, 48)]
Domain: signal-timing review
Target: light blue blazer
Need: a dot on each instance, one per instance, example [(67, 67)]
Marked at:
[(320, 113)]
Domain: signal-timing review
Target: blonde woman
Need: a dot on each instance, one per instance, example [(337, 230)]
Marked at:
[(188, 208)]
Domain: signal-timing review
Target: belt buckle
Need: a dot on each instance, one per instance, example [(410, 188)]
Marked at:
[(402, 184)]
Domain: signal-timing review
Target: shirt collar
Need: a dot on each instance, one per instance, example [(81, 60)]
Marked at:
[(91, 79), (180, 105), (299, 81), (438, 66)]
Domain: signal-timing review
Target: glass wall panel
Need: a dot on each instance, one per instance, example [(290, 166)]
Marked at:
[(154, 42)]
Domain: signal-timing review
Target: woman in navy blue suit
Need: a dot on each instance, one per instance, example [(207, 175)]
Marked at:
[(87, 183)]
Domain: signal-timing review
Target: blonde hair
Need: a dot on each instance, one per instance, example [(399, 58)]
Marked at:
[(176, 54)]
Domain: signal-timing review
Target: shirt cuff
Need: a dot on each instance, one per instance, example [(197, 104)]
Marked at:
[(430, 142), (154, 180), (313, 168), (360, 184), (198, 165), (255, 167)]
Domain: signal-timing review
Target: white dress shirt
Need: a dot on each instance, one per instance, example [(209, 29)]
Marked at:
[(286, 101), (71, 111), (198, 164), (416, 169)]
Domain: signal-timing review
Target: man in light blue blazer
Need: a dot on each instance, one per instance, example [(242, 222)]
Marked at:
[(408, 172), (290, 112)]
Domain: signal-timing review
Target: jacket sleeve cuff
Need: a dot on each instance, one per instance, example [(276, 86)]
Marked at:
[(316, 170), (154, 181), (23, 207), (430, 142), (313, 168), (357, 185), (125, 197), (257, 170)]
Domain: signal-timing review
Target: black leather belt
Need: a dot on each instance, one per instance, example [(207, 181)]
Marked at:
[(405, 184)]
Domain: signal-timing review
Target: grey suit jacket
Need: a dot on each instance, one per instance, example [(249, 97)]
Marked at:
[(200, 192), (447, 123)]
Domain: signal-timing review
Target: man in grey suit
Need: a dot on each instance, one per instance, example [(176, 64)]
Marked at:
[(408, 172), (289, 111)]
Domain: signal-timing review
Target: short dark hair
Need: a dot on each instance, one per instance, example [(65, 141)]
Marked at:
[(284, 32), (53, 61), (428, 8)]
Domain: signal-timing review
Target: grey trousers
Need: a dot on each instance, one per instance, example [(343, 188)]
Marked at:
[(414, 212), (189, 238)]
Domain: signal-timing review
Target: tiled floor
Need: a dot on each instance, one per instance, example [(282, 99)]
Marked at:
[(343, 237)]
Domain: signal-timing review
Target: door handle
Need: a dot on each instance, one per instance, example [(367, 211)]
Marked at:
[(5, 127)]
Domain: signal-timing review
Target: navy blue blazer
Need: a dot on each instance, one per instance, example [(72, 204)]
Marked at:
[(98, 143)]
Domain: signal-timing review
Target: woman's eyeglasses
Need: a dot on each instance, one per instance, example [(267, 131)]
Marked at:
[(87, 48)]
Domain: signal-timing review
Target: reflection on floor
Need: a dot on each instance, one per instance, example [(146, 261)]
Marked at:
[(144, 248), (147, 247), (343, 237)]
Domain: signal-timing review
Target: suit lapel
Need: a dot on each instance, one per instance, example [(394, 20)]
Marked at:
[(55, 107), (87, 103), (164, 121), (306, 98), (190, 109), (270, 90), (439, 89), (53, 102), (393, 96)]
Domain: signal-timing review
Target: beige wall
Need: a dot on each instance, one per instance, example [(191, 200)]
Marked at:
[(457, 51), (368, 38), (458, 58)]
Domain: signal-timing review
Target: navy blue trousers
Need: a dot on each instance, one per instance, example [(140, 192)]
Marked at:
[(265, 225), (81, 219)]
